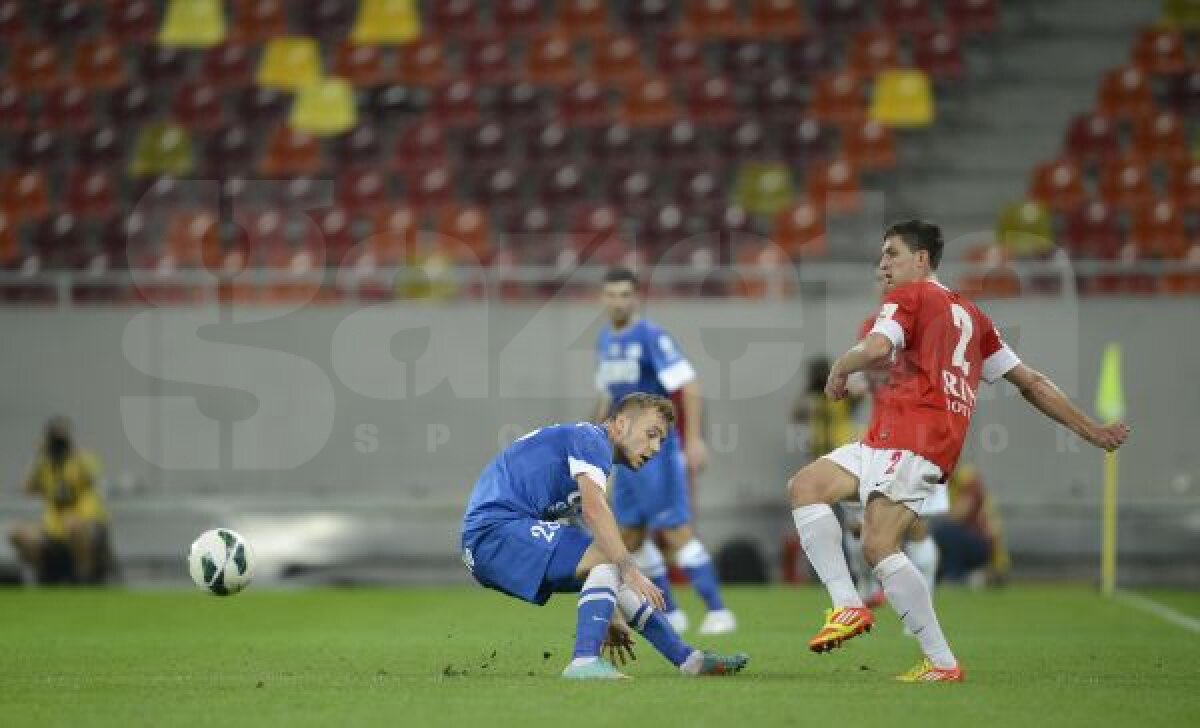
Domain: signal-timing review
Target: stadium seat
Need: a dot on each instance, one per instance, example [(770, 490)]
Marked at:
[(192, 239), (394, 237), (229, 152), (132, 105), (1058, 185), (229, 66), (681, 58), (496, 187), (14, 108), (1160, 137), (325, 108), (514, 18), (584, 104), (258, 21), (870, 146), (809, 57), (420, 146), (361, 65), (745, 60), (1160, 51), (290, 152), (939, 53), (197, 106), (547, 145), (973, 17), (804, 140), (100, 147), (650, 17), (1025, 230), (33, 65), (329, 235), (192, 24), (840, 15), (837, 98), (1183, 93), (485, 145), (711, 102), (902, 99), (1158, 232), (699, 189), (762, 271), (454, 104), (1125, 94), (124, 238), (743, 141), (391, 103), (260, 107), (1092, 231), (1125, 183), (487, 59), (68, 108), (422, 63), (632, 189), (1183, 182), (799, 229), (430, 188), (328, 20), (99, 64), (289, 63), (650, 103), (60, 242), (24, 195), (906, 16), (763, 188), (12, 20), (835, 185), (777, 98), (678, 145), (519, 104), (1092, 138), (162, 65), (454, 18), (662, 227), (706, 19), (132, 21), (35, 148), (10, 247), (583, 18), (387, 22), (991, 274), (617, 61), (263, 236), (464, 233), (563, 185), (358, 147), (550, 59), (873, 51), (773, 19), (614, 146)]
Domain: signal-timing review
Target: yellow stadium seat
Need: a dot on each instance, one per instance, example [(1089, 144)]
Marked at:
[(162, 148), (764, 188), (193, 24), (902, 98), (1024, 230), (290, 63), (324, 108), (386, 22), (1181, 14)]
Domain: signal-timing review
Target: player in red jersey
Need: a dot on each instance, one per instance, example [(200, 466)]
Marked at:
[(936, 346)]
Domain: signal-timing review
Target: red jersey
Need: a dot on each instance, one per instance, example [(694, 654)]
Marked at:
[(943, 346)]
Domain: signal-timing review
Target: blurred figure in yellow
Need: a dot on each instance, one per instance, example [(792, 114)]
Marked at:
[(831, 424), (71, 543), (971, 536)]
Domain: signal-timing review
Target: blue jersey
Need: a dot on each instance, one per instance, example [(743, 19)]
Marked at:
[(640, 358), (535, 476)]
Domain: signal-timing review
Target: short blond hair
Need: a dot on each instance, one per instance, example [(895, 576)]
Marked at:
[(638, 401)]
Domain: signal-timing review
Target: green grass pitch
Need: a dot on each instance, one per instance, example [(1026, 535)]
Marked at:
[(1034, 656)]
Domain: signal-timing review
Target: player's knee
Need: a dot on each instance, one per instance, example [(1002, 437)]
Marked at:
[(677, 538), (804, 489), (633, 538), (878, 546)]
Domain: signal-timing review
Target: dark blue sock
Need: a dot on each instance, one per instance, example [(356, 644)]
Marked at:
[(596, 607), (704, 581), (651, 624)]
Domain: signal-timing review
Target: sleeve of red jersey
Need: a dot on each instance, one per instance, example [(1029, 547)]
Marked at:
[(897, 316), (998, 359)]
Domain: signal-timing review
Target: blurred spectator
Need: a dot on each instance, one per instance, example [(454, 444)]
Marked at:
[(830, 424), (971, 537), (71, 545)]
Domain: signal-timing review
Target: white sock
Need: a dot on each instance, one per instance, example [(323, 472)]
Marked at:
[(693, 663), (924, 555), (858, 565), (649, 560), (821, 537), (908, 595), (577, 661)]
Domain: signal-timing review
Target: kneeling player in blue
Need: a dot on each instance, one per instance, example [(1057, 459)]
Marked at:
[(513, 540)]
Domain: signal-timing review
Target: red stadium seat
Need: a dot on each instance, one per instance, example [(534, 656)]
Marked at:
[(486, 145), (1093, 231), (517, 17), (745, 60), (12, 20), (454, 104), (1160, 51), (394, 240), (430, 188), (617, 61), (91, 193), (777, 19), (1183, 93), (420, 146), (711, 19), (520, 104), (35, 148), (132, 105), (873, 51), (835, 185), (328, 20), (496, 187), (650, 103), (1058, 185), (422, 63), (362, 190), (550, 59), (1158, 232), (258, 21), (14, 109), (260, 106), (68, 107), (464, 232), (330, 235), (649, 17), (359, 146), (699, 189), (1183, 181), (454, 18), (547, 145), (777, 98), (839, 98), (101, 147), (488, 60), (583, 18), (361, 65), (563, 185), (906, 16), (65, 19), (1125, 94), (743, 141), (939, 54), (192, 240), (840, 15), (33, 65), (711, 101), (229, 151), (681, 57), (1125, 183), (973, 17), (162, 65), (584, 104), (678, 145), (1092, 138), (198, 106), (805, 140), (614, 146), (289, 152), (59, 242), (229, 66), (663, 227), (800, 229), (132, 21), (10, 247), (808, 57), (871, 146), (1160, 137), (99, 63)]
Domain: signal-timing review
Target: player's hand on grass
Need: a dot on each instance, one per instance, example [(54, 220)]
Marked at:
[(1108, 437), (618, 645), (637, 581)]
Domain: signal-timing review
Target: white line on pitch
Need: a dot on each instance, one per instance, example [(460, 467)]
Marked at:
[(1162, 611)]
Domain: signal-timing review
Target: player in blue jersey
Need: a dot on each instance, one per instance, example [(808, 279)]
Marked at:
[(513, 539), (635, 355)]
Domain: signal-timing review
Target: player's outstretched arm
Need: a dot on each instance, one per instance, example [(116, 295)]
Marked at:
[(599, 519), (1045, 395)]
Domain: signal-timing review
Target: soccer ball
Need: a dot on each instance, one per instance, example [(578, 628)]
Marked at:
[(221, 562)]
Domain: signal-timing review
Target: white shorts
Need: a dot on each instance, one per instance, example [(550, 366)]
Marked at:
[(900, 475)]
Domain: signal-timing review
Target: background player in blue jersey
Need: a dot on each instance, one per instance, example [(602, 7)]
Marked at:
[(635, 355), (513, 540)]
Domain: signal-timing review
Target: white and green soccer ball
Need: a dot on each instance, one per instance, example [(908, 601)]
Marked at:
[(221, 562)]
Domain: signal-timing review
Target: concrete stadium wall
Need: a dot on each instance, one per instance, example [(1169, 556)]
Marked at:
[(364, 428)]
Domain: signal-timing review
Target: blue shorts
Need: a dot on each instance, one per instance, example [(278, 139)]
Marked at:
[(526, 558), (655, 497)]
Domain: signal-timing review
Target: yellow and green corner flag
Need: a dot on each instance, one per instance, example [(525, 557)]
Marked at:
[(1110, 407)]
